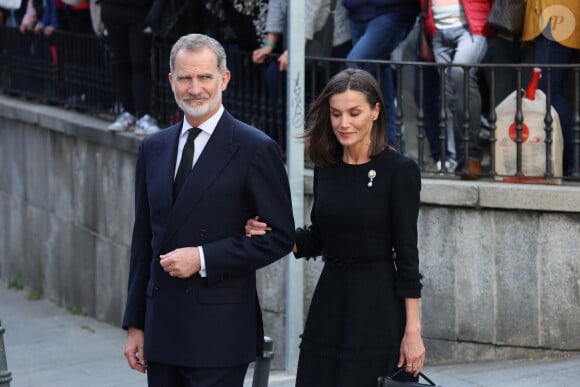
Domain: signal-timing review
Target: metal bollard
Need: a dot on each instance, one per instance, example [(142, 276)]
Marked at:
[(5, 376), (262, 367)]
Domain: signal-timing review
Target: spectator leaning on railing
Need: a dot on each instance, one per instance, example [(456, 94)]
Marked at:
[(377, 27), (554, 27), (29, 18), (49, 22), (131, 42), (316, 13), (460, 32)]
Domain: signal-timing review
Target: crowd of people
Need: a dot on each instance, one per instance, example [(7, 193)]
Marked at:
[(362, 30), (460, 35)]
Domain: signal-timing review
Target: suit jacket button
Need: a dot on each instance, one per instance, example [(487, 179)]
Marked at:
[(202, 233), (156, 287), (188, 290)]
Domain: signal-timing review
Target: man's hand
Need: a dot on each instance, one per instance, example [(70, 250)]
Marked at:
[(181, 263), (134, 350)]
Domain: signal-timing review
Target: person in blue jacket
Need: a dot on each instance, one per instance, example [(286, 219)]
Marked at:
[(377, 28)]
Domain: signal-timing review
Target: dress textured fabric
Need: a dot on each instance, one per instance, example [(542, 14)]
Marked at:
[(367, 236)]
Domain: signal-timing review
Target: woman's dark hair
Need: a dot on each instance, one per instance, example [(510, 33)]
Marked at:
[(323, 147)]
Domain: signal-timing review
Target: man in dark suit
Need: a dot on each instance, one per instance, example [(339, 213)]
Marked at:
[(192, 313)]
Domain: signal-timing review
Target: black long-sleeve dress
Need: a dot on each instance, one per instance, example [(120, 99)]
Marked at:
[(367, 236)]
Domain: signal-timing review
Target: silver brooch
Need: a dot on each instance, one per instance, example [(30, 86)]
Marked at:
[(372, 174)]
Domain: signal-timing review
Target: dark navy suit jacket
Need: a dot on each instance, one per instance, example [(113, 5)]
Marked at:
[(213, 321)]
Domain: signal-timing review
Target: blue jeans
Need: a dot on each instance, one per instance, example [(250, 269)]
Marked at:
[(459, 45), (376, 39), (549, 51), (431, 104), (431, 109)]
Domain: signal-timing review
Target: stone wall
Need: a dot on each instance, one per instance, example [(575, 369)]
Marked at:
[(500, 260)]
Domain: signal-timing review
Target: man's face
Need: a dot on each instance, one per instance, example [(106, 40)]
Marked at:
[(197, 84)]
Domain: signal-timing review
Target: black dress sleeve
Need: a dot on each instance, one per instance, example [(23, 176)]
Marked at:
[(405, 193)]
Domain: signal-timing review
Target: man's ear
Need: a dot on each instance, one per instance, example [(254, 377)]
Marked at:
[(225, 80)]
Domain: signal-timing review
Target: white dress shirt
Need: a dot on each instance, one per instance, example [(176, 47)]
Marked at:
[(201, 140)]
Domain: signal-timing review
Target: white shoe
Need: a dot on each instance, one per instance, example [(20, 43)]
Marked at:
[(146, 125), (450, 164), (124, 121)]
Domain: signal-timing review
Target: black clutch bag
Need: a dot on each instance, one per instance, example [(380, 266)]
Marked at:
[(390, 381)]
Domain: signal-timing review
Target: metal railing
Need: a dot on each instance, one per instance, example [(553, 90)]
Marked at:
[(5, 375), (76, 72), (262, 365)]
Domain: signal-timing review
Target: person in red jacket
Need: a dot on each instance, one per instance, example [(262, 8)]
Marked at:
[(459, 34)]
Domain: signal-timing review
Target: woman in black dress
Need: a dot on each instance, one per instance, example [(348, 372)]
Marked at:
[(364, 318)]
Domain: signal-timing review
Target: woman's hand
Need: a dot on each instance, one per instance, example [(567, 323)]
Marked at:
[(255, 227), (49, 30), (260, 54), (412, 355), (283, 61), (38, 28), (412, 352)]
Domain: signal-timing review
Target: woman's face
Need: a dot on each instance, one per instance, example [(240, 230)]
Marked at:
[(352, 118)]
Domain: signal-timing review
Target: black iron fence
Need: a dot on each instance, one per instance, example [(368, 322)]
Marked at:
[(76, 72)]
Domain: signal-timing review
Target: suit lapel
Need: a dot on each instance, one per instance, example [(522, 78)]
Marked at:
[(162, 166), (216, 155)]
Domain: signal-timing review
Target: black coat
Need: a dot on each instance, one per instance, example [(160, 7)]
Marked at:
[(212, 321)]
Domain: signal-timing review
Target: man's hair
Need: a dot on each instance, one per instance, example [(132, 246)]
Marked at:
[(195, 42)]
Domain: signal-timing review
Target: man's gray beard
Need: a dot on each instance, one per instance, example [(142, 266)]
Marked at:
[(202, 111)]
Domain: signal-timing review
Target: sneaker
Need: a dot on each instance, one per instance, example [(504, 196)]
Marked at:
[(146, 125), (450, 164), (485, 131), (124, 121)]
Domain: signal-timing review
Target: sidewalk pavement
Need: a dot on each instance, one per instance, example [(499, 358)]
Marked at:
[(48, 346)]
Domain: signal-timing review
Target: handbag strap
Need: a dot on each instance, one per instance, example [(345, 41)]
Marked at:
[(420, 374), (426, 378)]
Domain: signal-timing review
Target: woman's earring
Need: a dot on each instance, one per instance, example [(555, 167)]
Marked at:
[(372, 174)]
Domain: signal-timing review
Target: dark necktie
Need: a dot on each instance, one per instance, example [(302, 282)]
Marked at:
[(186, 161)]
